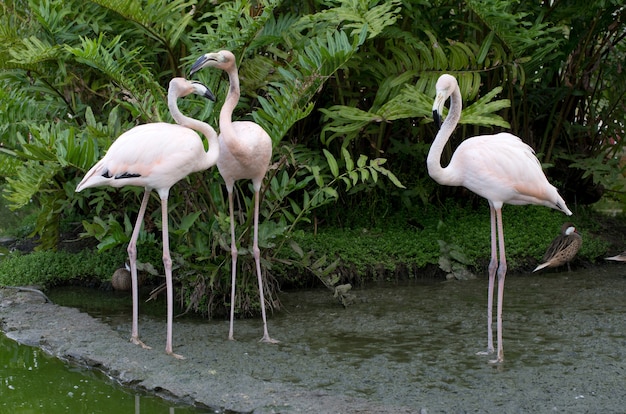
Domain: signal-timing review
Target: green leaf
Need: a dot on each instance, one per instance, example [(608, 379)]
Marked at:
[(484, 48), (361, 161), (348, 159), (319, 180), (188, 221), (377, 166), (332, 163)]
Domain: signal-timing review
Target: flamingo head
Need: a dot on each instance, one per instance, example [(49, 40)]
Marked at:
[(181, 87), (445, 86), (223, 59)]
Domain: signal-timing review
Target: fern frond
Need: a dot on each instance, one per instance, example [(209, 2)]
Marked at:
[(345, 121), (32, 51), (274, 31), (348, 122), (164, 21), (291, 99), (240, 20), (529, 42), (109, 58), (124, 68), (353, 15), (483, 111), (411, 102), (28, 181), (20, 106), (9, 163)]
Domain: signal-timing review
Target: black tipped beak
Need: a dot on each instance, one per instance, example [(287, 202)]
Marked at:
[(203, 90), (437, 119), (209, 95), (197, 65)]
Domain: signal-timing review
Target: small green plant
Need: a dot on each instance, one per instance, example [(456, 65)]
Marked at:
[(49, 268), (452, 259)]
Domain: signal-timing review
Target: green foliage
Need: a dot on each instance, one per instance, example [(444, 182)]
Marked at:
[(291, 98), (372, 254), (454, 238), (156, 18), (49, 268), (345, 90), (529, 41), (114, 61), (354, 15)]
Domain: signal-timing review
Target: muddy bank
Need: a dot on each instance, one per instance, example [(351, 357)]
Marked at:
[(398, 349)]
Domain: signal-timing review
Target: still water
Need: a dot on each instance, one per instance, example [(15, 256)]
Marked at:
[(32, 381), (397, 346)]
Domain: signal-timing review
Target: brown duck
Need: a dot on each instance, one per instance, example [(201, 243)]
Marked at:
[(563, 248)]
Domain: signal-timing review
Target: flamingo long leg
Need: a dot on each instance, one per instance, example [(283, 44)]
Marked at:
[(233, 254), (501, 276), (257, 259), (493, 267), (167, 264), (132, 258)]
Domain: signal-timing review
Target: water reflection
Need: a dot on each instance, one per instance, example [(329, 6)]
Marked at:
[(34, 382)]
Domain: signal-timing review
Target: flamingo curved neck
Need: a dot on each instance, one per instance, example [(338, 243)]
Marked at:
[(197, 125), (228, 136), (433, 161), (232, 99)]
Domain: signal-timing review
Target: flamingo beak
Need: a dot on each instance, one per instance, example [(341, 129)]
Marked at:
[(198, 64), (209, 94), (563, 208), (438, 108), (203, 90), (437, 119), (203, 61)]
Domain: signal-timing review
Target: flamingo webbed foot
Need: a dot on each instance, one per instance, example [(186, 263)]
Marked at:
[(269, 340), (137, 341), (177, 356), (498, 360), (489, 351)]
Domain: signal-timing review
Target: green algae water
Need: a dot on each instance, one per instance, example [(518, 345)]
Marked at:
[(33, 382)]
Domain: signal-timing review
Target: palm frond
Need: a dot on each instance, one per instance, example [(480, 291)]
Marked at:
[(165, 21), (124, 68), (529, 42), (30, 53), (292, 98), (353, 15)]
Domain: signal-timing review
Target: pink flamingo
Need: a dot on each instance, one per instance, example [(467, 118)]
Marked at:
[(500, 168), (157, 156), (245, 153)]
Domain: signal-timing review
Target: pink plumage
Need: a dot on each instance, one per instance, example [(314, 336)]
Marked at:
[(500, 168), (245, 153), (156, 156)]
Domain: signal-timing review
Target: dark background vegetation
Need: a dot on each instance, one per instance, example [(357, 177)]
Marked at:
[(345, 89)]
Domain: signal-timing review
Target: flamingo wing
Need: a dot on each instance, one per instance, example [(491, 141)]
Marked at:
[(502, 168), (155, 155)]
